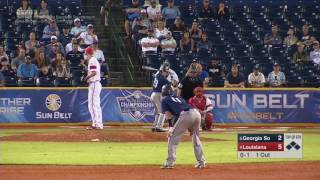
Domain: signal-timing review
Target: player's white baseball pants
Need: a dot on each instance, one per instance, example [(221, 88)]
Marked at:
[(156, 98), (188, 119), (94, 104)]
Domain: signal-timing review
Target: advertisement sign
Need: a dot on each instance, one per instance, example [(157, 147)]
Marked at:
[(134, 105)]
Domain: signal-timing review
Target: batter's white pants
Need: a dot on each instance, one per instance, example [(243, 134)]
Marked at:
[(94, 104)]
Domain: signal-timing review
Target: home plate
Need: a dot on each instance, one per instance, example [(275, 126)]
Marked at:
[(95, 140)]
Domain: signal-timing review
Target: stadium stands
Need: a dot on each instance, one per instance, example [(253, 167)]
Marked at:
[(14, 32), (240, 38)]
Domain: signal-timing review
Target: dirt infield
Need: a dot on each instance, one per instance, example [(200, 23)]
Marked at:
[(248, 171), (97, 135)]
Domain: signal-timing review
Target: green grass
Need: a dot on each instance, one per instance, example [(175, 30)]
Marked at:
[(94, 153)]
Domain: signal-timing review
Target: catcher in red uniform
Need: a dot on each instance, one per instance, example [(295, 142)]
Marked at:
[(204, 105)]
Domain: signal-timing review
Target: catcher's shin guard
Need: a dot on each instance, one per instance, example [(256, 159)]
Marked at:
[(208, 120)]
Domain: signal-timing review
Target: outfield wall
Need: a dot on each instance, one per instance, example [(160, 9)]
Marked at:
[(131, 105)]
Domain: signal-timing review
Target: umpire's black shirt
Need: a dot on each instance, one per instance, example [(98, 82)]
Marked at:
[(187, 85)]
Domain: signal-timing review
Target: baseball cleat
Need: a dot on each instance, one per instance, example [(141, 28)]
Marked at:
[(167, 166), (91, 128), (153, 129), (159, 130), (200, 165)]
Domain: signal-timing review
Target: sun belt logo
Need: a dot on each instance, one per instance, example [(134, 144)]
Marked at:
[(53, 102), (137, 105)]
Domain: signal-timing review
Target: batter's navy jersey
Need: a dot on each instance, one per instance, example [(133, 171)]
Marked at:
[(174, 105), (158, 82)]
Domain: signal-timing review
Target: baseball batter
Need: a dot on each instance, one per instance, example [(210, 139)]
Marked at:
[(187, 118), (160, 80), (93, 79), (204, 106)]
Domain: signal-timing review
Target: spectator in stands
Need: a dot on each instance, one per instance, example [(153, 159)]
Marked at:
[(139, 30), (186, 43), (27, 69), (132, 12), (69, 45), (5, 68), (203, 74), (75, 57), (144, 19), (178, 26), (88, 37), (222, 11), (19, 59), (150, 43), (104, 11), (170, 12), (51, 55), (276, 78), (291, 39), (206, 11), (2, 52), (43, 12), (41, 60), (306, 37), (235, 78), (315, 54), (77, 29), (45, 72), (147, 3), (65, 37), (273, 38), (161, 31), (154, 11), (32, 43), (24, 13), (54, 42), (204, 43), (301, 56), (168, 44), (57, 60), (195, 31), (215, 71), (256, 79), (62, 70), (50, 30), (1, 79)]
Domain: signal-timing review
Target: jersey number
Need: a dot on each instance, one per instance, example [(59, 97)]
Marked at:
[(155, 83), (177, 100)]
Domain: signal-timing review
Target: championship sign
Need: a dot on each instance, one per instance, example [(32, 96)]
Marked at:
[(286, 145)]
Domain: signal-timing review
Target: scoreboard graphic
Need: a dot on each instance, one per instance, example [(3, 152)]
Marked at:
[(286, 145)]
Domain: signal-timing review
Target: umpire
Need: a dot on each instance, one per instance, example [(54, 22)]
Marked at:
[(189, 83)]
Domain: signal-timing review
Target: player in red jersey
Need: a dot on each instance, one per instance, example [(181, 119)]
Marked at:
[(204, 105)]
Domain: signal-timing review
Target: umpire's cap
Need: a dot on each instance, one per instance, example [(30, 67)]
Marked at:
[(167, 90)]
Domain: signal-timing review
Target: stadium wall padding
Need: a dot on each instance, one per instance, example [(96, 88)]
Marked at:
[(131, 105)]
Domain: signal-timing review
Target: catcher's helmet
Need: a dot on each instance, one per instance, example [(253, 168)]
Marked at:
[(167, 90)]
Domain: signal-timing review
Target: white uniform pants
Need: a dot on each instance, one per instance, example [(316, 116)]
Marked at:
[(94, 104)]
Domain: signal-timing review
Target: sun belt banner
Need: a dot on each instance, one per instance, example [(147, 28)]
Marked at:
[(134, 105)]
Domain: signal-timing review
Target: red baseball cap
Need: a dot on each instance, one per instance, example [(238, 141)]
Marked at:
[(89, 50)]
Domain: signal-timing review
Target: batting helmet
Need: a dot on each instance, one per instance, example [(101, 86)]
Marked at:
[(167, 90), (89, 51)]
